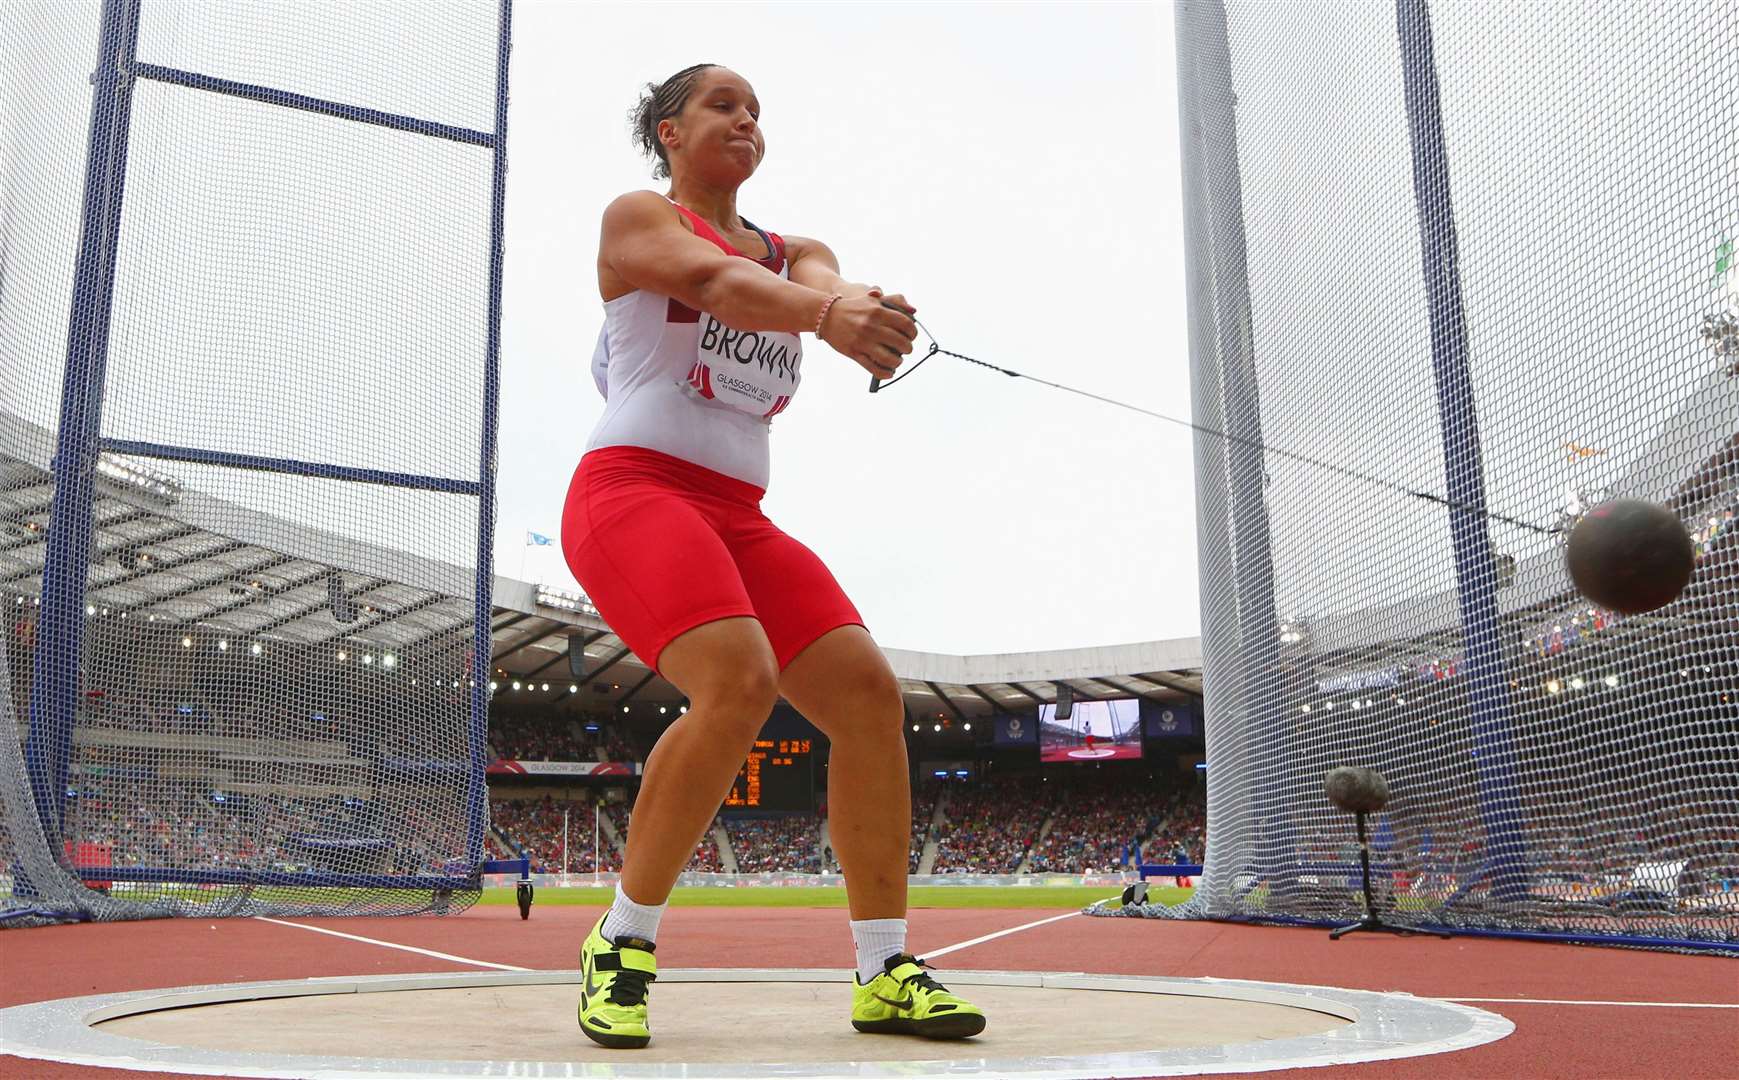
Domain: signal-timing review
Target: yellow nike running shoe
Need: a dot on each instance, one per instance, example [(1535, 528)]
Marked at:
[(613, 978), (903, 1000)]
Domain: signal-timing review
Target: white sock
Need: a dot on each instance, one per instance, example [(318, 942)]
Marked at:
[(628, 919), (876, 940)]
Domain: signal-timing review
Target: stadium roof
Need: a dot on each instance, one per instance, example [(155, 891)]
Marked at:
[(168, 552), (532, 641)]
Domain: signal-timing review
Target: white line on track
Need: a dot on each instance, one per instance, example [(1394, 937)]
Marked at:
[(1460, 1000), (1632, 1004), (392, 945), (945, 950)]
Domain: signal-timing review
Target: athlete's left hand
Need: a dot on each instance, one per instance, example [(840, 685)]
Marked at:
[(899, 303), (893, 300)]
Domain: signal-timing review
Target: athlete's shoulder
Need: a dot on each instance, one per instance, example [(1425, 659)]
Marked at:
[(799, 248), (639, 209), (802, 245)]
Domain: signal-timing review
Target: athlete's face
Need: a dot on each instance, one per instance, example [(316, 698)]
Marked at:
[(718, 131)]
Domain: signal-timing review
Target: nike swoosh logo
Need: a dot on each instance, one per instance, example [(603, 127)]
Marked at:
[(588, 988), (905, 1004)]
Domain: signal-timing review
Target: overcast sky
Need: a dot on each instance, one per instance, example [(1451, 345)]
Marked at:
[(1013, 170)]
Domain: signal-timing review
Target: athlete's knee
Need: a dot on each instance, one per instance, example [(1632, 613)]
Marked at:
[(727, 669), (868, 699), (742, 690)]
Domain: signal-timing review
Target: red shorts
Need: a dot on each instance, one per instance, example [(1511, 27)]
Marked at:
[(662, 545)]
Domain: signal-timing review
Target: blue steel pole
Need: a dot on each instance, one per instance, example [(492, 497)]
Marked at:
[(1475, 566), (477, 802), (61, 624)]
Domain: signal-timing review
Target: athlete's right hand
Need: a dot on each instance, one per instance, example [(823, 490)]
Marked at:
[(874, 330)]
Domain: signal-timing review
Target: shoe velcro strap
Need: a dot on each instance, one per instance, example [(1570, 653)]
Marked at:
[(627, 960), (903, 972)]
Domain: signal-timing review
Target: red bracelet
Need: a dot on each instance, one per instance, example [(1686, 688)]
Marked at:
[(825, 307)]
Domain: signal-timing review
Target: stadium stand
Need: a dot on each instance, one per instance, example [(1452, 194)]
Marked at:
[(1096, 825), (524, 738), (790, 843), (923, 809), (706, 853), (1100, 827), (208, 819), (199, 827), (989, 828), (534, 826)]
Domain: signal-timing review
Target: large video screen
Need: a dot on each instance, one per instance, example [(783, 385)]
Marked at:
[(1094, 731)]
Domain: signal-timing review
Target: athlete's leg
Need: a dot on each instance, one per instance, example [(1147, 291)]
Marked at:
[(643, 542), (726, 669), (832, 671), (842, 683), (641, 536)]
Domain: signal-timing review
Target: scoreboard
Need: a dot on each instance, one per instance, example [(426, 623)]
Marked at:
[(777, 776)]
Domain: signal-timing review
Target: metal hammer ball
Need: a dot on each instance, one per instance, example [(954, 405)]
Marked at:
[(1630, 556)]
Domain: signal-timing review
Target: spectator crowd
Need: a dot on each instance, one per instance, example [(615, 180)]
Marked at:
[(705, 860), (1099, 829), (184, 825), (988, 828), (923, 810), (547, 739), (782, 843), (534, 828)]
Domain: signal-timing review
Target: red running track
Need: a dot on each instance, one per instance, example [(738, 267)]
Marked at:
[(1551, 1041)]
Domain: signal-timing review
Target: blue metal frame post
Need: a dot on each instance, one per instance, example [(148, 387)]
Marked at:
[(1475, 567), (477, 803), (80, 442), (61, 624)]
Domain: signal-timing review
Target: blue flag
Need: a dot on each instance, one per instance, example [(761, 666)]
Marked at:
[(537, 540), (1016, 730), (1171, 720)]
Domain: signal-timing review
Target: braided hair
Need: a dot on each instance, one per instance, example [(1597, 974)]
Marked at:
[(659, 102)]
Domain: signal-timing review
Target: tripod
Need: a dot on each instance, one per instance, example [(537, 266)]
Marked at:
[(1371, 921)]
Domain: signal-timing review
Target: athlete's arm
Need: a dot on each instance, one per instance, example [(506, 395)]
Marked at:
[(814, 264), (645, 245)]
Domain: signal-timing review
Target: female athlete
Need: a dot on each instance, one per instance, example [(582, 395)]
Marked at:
[(701, 348)]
